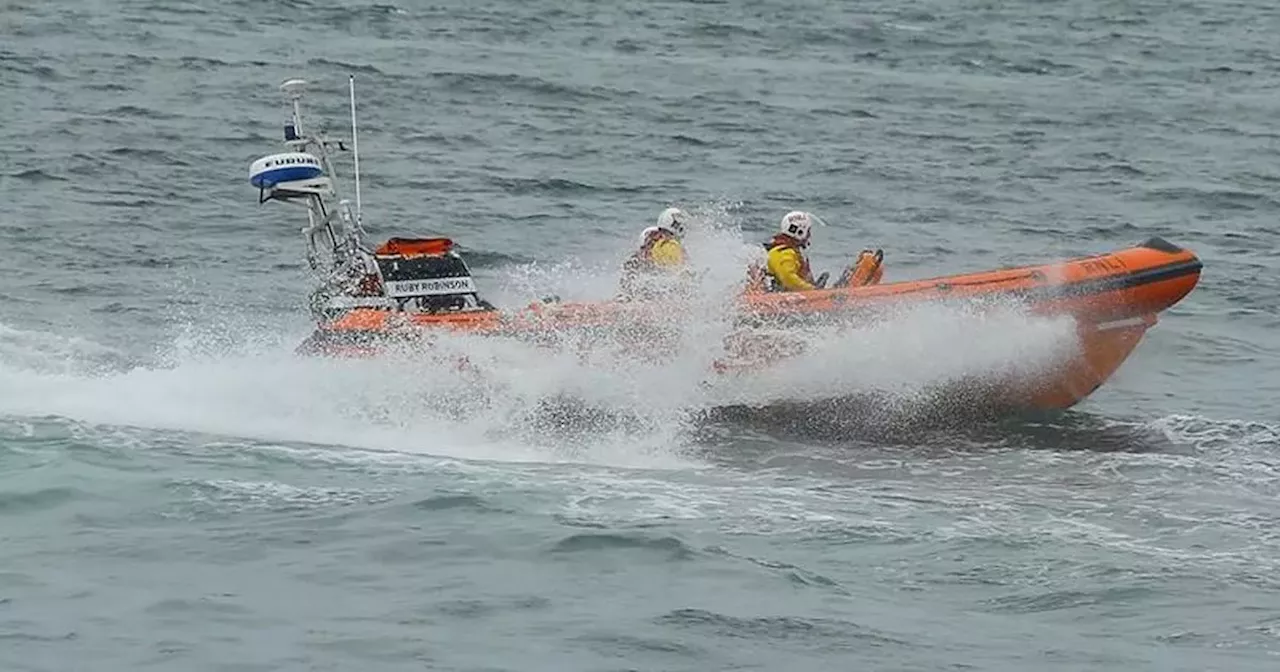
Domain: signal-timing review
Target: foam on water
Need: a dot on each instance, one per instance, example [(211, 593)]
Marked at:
[(1003, 133), (907, 352), (43, 351), (613, 398)]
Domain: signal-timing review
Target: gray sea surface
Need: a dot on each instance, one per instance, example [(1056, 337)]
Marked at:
[(179, 490)]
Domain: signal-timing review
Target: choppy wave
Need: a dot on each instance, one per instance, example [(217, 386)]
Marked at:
[(170, 463)]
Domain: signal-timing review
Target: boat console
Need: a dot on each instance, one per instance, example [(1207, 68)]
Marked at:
[(426, 275), (418, 275)]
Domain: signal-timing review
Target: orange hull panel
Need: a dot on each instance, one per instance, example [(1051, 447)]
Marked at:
[(1103, 348)]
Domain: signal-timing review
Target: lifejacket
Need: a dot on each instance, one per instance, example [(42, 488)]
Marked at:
[(786, 266)]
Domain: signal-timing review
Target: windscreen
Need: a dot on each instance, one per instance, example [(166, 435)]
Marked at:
[(425, 276)]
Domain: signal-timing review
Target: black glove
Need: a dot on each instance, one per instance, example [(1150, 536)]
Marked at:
[(822, 281)]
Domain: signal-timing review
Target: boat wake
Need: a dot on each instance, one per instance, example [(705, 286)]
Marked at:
[(619, 397), (679, 344), (586, 398)]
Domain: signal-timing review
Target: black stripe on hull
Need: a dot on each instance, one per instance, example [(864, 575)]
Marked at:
[(846, 305), (1078, 288), (1119, 282)]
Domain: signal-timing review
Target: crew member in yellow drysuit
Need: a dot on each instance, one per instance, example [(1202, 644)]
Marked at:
[(787, 270), (660, 249), (785, 263), (660, 244)]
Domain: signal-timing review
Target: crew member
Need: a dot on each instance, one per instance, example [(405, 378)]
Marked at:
[(786, 265), (660, 250), (787, 269), (660, 244)]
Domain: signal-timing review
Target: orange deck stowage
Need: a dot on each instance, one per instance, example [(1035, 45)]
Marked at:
[(412, 247)]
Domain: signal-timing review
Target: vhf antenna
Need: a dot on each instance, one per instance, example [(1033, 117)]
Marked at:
[(355, 146)]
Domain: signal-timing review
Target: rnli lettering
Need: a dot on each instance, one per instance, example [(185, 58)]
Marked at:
[(1102, 266)]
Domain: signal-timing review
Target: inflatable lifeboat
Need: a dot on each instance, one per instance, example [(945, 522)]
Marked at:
[(409, 289), (1114, 298)]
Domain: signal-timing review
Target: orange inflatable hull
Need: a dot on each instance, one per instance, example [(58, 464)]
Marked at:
[(1114, 298)]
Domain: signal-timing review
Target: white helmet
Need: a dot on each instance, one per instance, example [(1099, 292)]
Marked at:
[(672, 220), (797, 225), (644, 235)]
